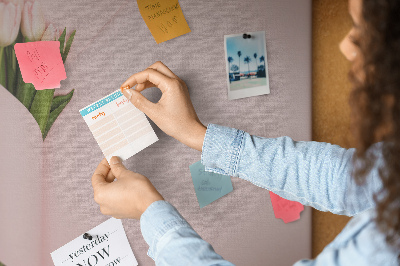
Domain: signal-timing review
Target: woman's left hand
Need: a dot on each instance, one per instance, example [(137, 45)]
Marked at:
[(127, 197)]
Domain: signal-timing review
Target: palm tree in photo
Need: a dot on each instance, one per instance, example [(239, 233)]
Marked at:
[(239, 54), (262, 59), (247, 60), (230, 60), (255, 58), (234, 68)]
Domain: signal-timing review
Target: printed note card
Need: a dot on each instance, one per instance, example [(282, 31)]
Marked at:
[(164, 18), (287, 210), (41, 63), (118, 126), (209, 186), (108, 246)]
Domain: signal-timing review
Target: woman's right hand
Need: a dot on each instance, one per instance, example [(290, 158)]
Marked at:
[(174, 112)]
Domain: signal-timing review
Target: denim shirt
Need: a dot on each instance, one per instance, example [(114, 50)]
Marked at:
[(312, 173)]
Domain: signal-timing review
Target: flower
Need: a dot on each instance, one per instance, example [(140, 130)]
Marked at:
[(10, 19), (51, 34), (32, 23)]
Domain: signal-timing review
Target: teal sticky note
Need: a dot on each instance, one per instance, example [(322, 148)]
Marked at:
[(209, 186)]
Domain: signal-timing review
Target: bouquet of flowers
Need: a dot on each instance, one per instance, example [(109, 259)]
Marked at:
[(24, 22)]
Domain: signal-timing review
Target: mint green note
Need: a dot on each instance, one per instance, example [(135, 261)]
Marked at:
[(209, 186)]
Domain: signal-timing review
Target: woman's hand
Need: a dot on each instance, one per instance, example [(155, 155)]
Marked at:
[(173, 113), (127, 197)]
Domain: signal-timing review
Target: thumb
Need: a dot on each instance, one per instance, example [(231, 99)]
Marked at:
[(116, 166), (139, 101)]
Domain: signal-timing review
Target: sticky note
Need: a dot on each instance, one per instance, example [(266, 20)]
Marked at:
[(109, 246), (41, 63), (284, 209), (118, 126), (209, 186), (164, 18)]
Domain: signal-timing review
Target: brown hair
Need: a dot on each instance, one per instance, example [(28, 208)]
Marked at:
[(375, 102)]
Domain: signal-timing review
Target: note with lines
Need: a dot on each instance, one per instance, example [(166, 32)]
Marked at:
[(118, 126)]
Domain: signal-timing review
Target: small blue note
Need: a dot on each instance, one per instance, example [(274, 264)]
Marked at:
[(209, 186)]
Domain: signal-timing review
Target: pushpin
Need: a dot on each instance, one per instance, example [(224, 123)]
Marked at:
[(125, 88), (87, 236), (246, 36)]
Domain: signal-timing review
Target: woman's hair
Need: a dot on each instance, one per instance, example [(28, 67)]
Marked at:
[(375, 101)]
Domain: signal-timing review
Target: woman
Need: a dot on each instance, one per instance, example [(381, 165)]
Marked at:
[(320, 175)]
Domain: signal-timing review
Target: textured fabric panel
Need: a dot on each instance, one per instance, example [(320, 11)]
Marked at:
[(111, 43)]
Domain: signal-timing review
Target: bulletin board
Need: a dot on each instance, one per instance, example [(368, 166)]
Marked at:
[(46, 197)]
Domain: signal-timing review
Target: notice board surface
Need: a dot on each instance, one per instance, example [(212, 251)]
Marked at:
[(49, 199)]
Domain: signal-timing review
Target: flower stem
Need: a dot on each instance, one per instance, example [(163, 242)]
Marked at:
[(3, 67), (11, 69)]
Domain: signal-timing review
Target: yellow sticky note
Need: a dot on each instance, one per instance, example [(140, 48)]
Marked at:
[(164, 18)]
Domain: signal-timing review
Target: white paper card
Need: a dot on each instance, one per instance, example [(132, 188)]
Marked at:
[(108, 247), (118, 126)]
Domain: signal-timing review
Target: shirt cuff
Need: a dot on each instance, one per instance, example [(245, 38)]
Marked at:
[(159, 218), (222, 148)]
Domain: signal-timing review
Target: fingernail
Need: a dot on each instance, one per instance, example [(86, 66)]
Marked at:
[(127, 93), (115, 160)]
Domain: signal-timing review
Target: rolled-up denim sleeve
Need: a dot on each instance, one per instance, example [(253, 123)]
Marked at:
[(172, 241), (316, 174)]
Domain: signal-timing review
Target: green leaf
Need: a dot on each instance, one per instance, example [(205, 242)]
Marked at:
[(62, 41), (68, 46), (11, 69), (61, 102), (1, 264), (25, 92), (20, 37), (40, 108), (60, 99), (3, 67)]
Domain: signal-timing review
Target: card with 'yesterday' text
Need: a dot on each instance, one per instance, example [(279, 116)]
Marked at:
[(109, 246)]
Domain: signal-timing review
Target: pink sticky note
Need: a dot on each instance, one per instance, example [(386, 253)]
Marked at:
[(284, 209), (41, 63)]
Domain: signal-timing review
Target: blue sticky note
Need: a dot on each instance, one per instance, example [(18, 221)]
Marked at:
[(209, 186)]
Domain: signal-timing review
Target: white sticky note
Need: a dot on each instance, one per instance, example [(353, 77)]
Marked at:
[(118, 126), (108, 247)]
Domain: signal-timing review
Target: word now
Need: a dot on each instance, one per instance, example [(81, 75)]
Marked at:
[(94, 258)]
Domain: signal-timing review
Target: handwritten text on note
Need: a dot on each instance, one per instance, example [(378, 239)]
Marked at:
[(41, 63), (164, 19)]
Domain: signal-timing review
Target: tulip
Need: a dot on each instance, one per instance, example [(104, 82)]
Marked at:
[(32, 23), (10, 17), (50, 34)]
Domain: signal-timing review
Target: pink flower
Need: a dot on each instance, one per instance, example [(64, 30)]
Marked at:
[(10, 19), (32, 23)]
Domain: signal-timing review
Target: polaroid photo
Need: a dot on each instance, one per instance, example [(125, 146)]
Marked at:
[(246, 65)]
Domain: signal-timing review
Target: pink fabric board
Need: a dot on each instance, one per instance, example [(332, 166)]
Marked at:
[(46, 197)]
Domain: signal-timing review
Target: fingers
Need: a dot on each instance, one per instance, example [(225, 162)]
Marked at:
[(100, 174), (140, 102), (159, 80), (142, 86), (117, 167), (160, 67), (110, 177)]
